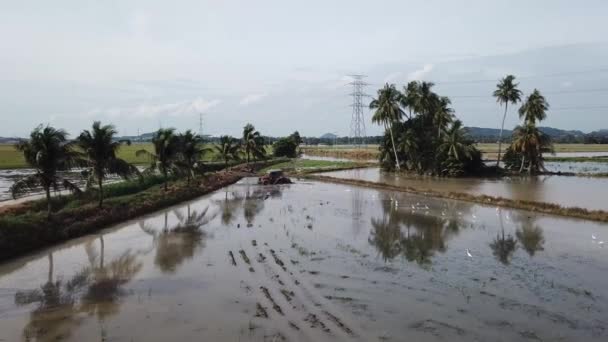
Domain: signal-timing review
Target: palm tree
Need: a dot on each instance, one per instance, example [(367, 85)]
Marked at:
[(388, 111), (166, 149), (227, 149), (442, 115), (100, 150), (506, 92), (411, 93), (456, 145), (47, 152), (253, 143), (408, 143), (191, 151), (530, 143), (534, 109), (427, 100)]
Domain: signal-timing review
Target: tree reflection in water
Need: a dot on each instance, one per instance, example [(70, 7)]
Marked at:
[(253, 203), (95, 289), (503, 247), (529, 235), (228, 207), (414, 234), (176, 244)]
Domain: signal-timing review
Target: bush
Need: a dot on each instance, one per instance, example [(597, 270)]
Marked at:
[(285, 147)]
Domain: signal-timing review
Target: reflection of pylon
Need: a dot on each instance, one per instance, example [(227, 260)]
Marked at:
[(357, 124)]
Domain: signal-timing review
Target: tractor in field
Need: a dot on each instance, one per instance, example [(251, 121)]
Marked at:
[(274, 177)]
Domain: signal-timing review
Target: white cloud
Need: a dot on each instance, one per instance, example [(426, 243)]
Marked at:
[(418, 75), (251, 98), (175, 109)]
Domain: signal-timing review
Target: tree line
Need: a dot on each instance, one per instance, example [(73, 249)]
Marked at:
[(423, 134), (95, 153)]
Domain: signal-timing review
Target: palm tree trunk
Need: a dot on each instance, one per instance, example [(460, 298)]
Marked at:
[(165, 177), (100, 182), (523, 159), (394, 149), (504, 116), (49, 207)]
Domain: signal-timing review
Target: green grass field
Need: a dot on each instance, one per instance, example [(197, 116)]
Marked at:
[(13, 159)]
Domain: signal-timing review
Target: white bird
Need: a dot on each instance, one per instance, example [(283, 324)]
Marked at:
[(474, 217), (593, 237), (600, 243), (469, 253)]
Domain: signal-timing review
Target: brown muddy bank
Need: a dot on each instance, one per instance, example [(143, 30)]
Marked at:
[(316, 261)]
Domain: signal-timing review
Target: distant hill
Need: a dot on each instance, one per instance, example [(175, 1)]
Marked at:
[(4, 140), (481, 134), (328, 136)]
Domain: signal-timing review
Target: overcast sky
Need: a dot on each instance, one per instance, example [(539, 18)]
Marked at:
[(282, 65)]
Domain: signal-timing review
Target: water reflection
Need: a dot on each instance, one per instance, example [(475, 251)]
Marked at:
[(94, 290), (415, 233), (181, 242), (228, 207), (529, 235), (253, 203), (503, 247)]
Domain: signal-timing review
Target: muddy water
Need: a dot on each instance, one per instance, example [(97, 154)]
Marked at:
[(316, 262), (567, 191)]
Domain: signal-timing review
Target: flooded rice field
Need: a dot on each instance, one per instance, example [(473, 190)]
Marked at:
[(577, 167), (316, 262), (569, 191)]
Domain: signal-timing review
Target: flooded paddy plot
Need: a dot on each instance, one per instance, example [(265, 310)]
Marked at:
[(567, 191), (316, 262)]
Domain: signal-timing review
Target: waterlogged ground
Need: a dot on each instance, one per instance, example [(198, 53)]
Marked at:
[(568, 191), (316, 262), (577, 167)]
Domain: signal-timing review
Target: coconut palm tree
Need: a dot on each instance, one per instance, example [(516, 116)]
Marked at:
[(506, 92), (191, 151), (99, 149), (530, 143), (388, 111), (442, 115), (408, 143), (227, 149), (253, 142), (427, 100), (411, 93), (456, 144), (534, 109), (166, 149), (48, 152)]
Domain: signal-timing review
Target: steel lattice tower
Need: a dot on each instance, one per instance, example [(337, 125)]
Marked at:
[(357, 124)]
